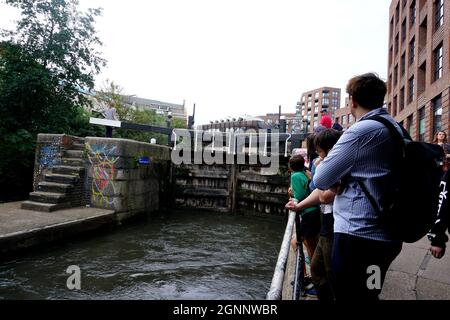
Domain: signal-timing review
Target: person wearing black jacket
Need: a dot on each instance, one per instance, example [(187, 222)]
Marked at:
[(437, 234)]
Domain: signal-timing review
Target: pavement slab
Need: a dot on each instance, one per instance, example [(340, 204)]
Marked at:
[(21, 229), (416, 275)]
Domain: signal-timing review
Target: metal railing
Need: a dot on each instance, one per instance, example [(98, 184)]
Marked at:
[(276, 288)]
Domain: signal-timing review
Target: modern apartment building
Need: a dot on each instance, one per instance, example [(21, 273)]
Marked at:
[(418, 66), (312, 102)]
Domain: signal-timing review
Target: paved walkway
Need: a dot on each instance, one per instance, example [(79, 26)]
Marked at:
[(24, 228), (417, 275)]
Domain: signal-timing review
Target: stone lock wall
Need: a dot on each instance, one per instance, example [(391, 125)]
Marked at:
[(116, 180)]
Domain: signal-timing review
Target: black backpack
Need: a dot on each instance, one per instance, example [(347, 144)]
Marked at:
[(413, 198)]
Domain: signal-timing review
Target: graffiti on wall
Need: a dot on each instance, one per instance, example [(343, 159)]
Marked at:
[(103, 172), (49, 155)]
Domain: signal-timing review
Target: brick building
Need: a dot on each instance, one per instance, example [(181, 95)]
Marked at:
[(418, 66), (312, 102)]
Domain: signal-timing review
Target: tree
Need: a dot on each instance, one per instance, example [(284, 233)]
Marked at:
[(46, 65)]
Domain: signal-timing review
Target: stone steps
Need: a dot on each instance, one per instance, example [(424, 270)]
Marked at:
[(44, 207), (69, 170), (73, 154), (77, 146), (78, 140), (53, 187), (74, 162), (48, 197), (53, 193), (61, 178)]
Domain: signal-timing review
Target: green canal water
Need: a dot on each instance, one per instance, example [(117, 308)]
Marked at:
[(181, 256)]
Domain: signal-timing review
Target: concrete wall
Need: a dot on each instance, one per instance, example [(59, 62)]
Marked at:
[(116, 181)]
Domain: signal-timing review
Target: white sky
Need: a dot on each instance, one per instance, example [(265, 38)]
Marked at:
[(235, 57)]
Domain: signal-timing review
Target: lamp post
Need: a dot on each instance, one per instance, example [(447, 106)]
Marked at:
[(169, 125), (305, 125)]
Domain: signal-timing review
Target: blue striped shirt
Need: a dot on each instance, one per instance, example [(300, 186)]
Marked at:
[(364, 152)]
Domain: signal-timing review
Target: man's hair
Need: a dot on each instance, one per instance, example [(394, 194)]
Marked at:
[(327, 139), (367, 90), (297, 163)]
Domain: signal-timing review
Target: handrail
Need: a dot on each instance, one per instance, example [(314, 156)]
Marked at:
[(276, 288)]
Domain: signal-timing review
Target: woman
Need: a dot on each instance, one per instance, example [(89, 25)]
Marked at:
[(440, 138)]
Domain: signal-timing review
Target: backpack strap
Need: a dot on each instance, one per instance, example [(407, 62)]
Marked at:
[(369, 196), (400, 142), (392, 128)]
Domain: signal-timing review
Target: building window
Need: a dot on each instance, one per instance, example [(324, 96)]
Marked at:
[(411, 90), (395, 75), (410, 125), (350, 119), (438, 62), (402, 99), (437, 114), (335, 103), (438, 13), (403, 64), (422, 124), (335, 94), (394, 107), (316, 95), (303, 99), (326, 102), (344, 120), (412, 48), (412, 13)]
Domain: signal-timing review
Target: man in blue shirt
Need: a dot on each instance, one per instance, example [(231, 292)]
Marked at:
[(362, 248)]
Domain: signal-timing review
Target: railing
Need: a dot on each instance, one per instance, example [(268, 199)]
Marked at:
[(276, 288)]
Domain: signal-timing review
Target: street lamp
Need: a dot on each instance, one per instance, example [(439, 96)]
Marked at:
[(305, 125), (169, 125)]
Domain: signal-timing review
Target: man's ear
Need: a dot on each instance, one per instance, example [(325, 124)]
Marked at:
[(353, 104)]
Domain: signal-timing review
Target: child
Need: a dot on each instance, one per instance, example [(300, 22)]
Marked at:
[(308, 227)]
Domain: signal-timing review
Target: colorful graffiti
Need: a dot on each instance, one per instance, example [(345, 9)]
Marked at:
[(103, 172), (49, 155)]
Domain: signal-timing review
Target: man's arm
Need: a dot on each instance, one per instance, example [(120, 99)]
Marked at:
[(338, 162)]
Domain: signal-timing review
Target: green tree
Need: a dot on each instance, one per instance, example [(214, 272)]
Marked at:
[(46, 65)]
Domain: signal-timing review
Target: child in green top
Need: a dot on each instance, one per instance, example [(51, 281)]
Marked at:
[(308, 227)]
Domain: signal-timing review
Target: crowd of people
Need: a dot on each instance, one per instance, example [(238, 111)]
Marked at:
[(336, 220)]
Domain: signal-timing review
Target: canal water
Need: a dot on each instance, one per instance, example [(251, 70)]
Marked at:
[(180, 256)]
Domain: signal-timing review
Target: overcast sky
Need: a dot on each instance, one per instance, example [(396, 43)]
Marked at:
[(236, 57)]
